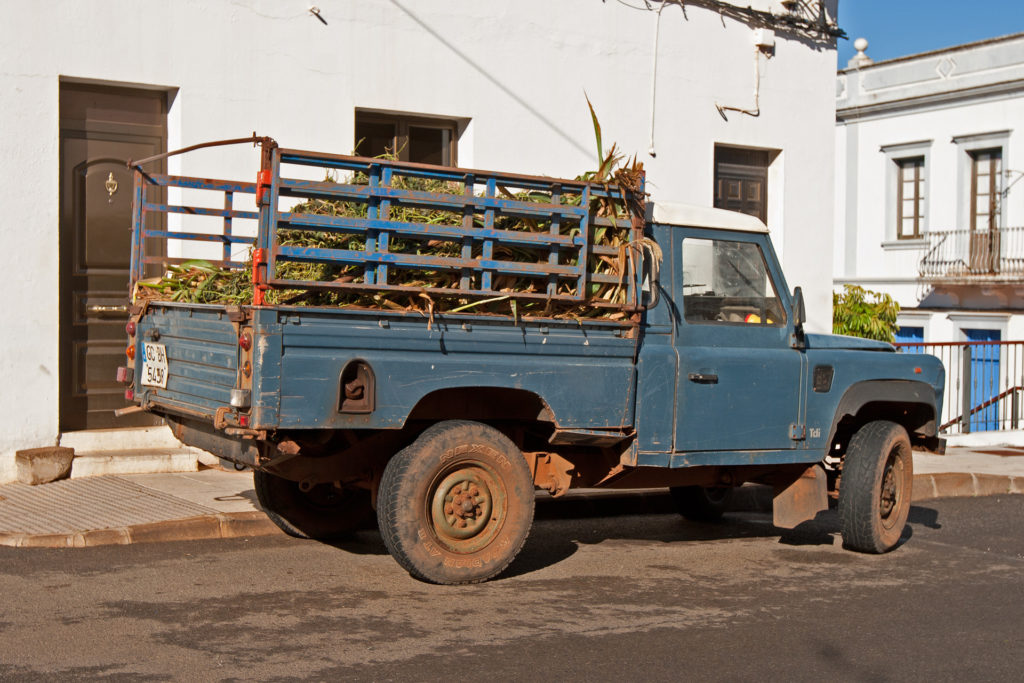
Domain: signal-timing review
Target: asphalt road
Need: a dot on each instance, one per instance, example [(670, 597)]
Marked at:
[(600, 598)]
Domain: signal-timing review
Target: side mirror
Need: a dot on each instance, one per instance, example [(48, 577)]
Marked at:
[(799, 318), (799, 309)]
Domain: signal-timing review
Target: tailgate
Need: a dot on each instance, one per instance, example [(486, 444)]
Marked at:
[(193, 351)]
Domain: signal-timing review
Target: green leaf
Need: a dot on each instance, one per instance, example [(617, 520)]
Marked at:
[(597, 131)]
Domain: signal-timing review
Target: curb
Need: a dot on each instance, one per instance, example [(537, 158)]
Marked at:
[(964, 485), (755, 498), (223, 525)]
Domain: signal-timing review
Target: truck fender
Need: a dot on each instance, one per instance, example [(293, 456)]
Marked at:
[(888, 391)]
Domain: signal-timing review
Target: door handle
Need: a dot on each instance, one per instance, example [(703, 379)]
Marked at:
[(107, 309), (702, 378)]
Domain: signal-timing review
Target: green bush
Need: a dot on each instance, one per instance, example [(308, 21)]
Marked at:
[(859, 312)]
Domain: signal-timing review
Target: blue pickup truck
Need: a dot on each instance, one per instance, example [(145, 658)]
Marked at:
[(697, 375)]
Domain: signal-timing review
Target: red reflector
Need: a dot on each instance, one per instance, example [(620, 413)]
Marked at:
[(130, 352), (129, 394), (125, 375), (130, 328), (245, 340), (917, 371), (262, 181), (243, 420)]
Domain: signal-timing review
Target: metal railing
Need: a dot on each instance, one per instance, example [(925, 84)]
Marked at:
[(973, 254), (984, 382)]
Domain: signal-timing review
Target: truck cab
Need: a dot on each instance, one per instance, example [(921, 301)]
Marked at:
[(747, 377)]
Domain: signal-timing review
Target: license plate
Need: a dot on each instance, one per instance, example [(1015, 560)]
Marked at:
[(154, 365)]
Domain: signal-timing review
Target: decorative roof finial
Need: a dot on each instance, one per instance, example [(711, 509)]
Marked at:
[(860, 59)]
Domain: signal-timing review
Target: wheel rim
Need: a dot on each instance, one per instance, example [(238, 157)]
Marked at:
[(891, 492), (467, 508), (717, 495)]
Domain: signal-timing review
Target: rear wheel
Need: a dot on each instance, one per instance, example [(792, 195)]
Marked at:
[(324, 511), (702, 503), (875, 487), (457, 504)]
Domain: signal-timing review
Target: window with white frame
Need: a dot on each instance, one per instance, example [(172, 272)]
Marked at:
[(906, 193), (910, 179)]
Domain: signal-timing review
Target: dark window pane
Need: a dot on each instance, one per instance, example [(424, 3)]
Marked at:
[(374, 139), (429, 145), (741, 180)]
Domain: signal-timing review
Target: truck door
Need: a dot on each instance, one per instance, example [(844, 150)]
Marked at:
[(740, 381)]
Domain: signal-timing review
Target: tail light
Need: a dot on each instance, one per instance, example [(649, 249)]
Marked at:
[(245, 340), (130, 328)]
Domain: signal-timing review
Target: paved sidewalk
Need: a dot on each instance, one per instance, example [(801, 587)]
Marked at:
[(212, 503)]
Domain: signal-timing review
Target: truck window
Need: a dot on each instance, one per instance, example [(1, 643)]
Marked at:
[(727, 283)]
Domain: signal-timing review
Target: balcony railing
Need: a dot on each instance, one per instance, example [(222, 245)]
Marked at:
[(972, 255), (984, 384)]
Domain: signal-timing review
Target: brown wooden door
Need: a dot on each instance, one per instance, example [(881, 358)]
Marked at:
[(100, 129), (986, 170)]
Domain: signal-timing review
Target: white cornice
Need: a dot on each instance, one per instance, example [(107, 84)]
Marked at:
[(929, 102)]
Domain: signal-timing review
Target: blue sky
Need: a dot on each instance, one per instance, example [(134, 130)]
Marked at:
[(895, 28)]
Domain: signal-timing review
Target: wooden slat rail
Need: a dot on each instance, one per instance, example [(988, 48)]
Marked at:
[(557, 249)]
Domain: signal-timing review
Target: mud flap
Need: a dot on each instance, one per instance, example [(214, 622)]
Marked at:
[(802, 499)]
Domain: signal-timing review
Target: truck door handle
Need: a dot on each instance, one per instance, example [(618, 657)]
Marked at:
[(701, 378)]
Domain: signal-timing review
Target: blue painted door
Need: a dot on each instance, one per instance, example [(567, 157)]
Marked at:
[(908, 334), (984, 379), (739, 383)]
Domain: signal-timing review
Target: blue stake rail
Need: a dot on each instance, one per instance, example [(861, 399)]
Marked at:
[(493, 234)]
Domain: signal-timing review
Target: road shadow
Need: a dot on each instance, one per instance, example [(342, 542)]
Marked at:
[(926, 517), (561, 526)]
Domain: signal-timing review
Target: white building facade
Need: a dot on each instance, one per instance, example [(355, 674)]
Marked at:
[(930, 149), (734, 98)]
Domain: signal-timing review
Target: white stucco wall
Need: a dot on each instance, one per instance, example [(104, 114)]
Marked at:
[(937, 104), (931, 100), (876, 255), (518, 70)]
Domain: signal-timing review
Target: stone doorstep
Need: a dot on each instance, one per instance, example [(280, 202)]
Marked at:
[(135, 461), (35, 466), (132, 438)]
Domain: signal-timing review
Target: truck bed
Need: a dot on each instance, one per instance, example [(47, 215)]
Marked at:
[(299, 353)]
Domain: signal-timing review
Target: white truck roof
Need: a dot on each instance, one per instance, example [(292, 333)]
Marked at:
[(672, 213)]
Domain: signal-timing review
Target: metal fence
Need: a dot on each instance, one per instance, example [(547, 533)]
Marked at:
[(970, 254), (984, 381)]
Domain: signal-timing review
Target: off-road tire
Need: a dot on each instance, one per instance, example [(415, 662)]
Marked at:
[(456, 505), (322, 513), (700, 503), (876, 487)]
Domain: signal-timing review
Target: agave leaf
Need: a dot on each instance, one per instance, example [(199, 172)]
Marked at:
[(597, 130), (199, 264)]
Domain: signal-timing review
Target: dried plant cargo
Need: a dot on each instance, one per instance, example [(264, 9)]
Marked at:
[(444, 419)]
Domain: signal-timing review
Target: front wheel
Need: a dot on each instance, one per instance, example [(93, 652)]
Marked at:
[(875, 487), (456, 505), (325, 511)]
